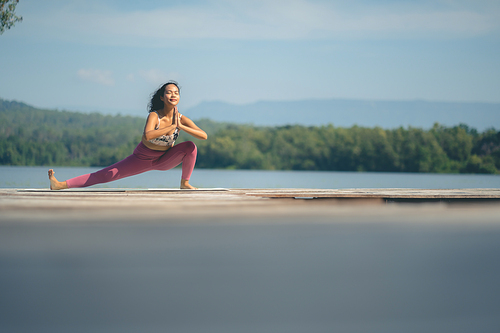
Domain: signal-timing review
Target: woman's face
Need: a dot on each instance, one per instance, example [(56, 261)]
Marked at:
[(171, 95)]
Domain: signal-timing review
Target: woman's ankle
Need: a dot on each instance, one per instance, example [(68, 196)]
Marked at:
[(185, 185)]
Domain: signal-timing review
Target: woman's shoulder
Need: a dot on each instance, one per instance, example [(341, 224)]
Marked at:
[(153, 114), (153, 118)]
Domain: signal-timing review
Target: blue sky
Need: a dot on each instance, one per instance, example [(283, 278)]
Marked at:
[(109, 55)]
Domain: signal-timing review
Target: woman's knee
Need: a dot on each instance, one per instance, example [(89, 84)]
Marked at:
[(190, 147), (104, 175)]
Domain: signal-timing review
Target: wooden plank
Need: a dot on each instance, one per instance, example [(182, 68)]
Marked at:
[(398, 193), (381, 193), (230, 198)]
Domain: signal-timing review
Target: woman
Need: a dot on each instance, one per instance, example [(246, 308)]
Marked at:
[(156, 150)]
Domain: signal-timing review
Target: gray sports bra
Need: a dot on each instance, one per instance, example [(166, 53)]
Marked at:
[(165, 140)]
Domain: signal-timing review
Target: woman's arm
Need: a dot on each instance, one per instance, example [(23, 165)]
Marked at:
[(188, 126), (149, 130)]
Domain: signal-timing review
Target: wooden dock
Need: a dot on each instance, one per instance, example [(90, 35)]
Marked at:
[(237, 204)]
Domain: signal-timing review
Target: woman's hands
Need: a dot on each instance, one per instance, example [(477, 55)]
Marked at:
[(177, 119)]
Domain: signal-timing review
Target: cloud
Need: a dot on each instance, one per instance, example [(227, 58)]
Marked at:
[(153, 76), (279, 20), (97, 76)]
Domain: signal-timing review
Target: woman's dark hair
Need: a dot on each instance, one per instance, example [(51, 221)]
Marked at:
[(156, 103)]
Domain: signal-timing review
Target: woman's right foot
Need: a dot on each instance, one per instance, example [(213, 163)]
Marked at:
[(186, 186), (54, 183)]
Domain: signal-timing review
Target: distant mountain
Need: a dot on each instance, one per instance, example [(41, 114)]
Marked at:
[(346, 113)]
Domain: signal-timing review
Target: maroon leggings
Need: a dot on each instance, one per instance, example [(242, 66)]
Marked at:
[(143, 159)]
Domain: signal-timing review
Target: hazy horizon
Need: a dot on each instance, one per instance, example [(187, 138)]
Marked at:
[(340, 113)]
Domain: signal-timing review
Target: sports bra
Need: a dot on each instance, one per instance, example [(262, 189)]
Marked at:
[(165, 140)]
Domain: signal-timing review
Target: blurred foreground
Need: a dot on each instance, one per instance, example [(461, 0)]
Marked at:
[(212, 262)]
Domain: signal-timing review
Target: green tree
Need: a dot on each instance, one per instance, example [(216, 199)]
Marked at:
[(488, 144), (30, 136), (455, 141), (7, 14), (477, 164)]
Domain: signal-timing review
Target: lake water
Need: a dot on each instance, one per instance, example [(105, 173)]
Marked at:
[(36, 177)]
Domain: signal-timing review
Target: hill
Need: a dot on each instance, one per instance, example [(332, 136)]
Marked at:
[(346, 113)]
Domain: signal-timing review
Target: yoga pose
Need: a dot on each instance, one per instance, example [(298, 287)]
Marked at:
[(156, 151)]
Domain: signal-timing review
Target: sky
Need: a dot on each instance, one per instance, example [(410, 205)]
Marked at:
[(110, 55)]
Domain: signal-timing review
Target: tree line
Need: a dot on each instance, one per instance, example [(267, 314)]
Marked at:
[(30, 136)]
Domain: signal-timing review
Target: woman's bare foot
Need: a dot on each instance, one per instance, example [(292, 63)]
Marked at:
[(54, 183), (186, 186)]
